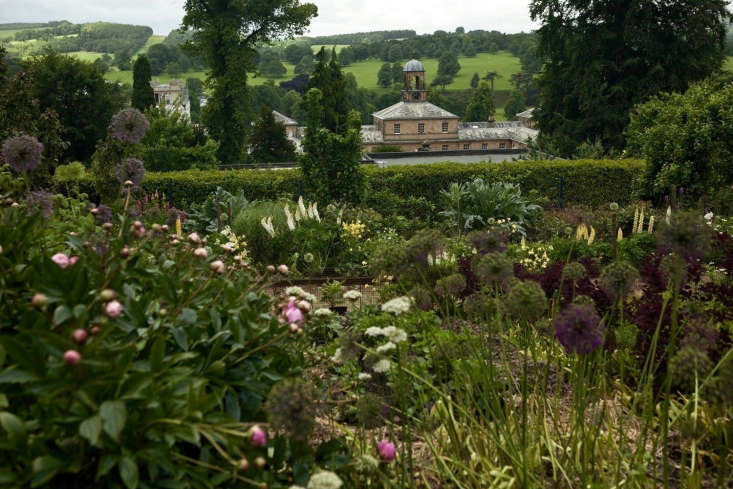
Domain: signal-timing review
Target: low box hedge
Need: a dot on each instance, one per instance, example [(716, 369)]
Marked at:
[(588, 182)]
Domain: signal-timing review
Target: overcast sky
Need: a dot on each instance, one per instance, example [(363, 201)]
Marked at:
[(335, 16)]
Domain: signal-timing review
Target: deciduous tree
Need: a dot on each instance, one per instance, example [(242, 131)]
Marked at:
[(481, 108)]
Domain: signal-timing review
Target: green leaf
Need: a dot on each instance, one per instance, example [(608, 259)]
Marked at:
[(17, 377), (114, 415), (2, 355), (188, 316), (13, 425), (181, 338), (61, 315), (157, 353), (4, 401), (79, 310), (129, 473), (106, 464), (91, 429), (44, 468)]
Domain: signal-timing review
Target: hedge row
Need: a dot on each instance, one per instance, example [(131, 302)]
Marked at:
[(588, 182)]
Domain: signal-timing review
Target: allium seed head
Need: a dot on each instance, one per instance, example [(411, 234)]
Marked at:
[(129, 126), (22, 153), (578, 328)]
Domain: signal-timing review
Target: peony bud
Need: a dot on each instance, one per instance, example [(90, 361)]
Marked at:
[(164, 228), (14, 205), (258, 437), (39, 300), (201, 252), (283, 269), (137, 224), (163, 312), (243, 464), (125, 252), (61, 260), (304, 306), (113, 309), (94, 211), (156, 227), (72, 357), (107, 295), (271, 268), (218, 266), (260, 462), (108, 226), (79, 336), (194, 238), (295, 328), (95, 330)]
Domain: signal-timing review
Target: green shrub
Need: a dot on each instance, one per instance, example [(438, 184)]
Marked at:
[(588, 182), (387, 148)]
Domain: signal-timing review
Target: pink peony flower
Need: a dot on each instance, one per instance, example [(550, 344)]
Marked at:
[(61, 260), (72, 357), (201, 252), (73, 260), (258, 436), (292, 313), (218, 266), (386, 450), (113, 309)]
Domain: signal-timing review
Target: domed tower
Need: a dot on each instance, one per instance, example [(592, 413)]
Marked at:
[(414, 87)]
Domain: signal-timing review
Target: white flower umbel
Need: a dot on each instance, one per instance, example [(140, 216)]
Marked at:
[(382, 366), (394, 334), (374, 331), (296, 291), (397, 306), (352, 295), (365, 376), (325, 480), (386, 348), (323, 311)]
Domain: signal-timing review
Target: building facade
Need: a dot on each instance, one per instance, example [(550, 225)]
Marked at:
[(172, 96), (414, 124)]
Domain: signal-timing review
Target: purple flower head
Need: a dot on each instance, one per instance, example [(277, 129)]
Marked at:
[(131, 169), (40, 202), (22, 153), (386, 450), (579, 329), (129, 126)]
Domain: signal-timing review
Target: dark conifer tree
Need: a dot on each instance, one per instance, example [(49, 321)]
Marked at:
[(142, 93)]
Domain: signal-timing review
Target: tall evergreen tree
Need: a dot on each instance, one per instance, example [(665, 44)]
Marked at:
[(225, 34), (329, 79), (142, 93), (475, 81), (269, 142), (481, 108), (602, 57)]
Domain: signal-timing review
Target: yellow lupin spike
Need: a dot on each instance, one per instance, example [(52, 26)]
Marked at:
[(592, 236), (179, 227), (620, 235)]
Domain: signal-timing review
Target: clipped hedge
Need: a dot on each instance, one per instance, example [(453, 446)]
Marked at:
[(588, 182)]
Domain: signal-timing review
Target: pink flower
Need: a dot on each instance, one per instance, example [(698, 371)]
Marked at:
[(79, 336), (113, 309), (72, 357), (386, 450), (292, 313), (218, 266), (73, 260), (201, 252), (258, 436), (61, 260)]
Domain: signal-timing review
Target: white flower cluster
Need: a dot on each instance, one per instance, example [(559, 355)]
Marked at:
[(300, 293), (397, 306), (325, 480), (233, 244), (322, 312), (534, 257), (352, 295), (392, 333)]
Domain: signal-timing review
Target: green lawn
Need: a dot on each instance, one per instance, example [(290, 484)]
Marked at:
[(152, 40), (10, 33), (502, 62), (126, 76), (85, 55)]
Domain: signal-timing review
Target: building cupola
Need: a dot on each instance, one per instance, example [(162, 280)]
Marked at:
[(414, 82)]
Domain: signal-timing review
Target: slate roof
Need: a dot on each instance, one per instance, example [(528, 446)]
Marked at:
[(414, 65), (527, 114), (371, 135), (520, 134), (413, 110), (283, 119)]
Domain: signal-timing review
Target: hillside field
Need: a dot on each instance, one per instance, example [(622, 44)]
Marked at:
[(152, 40), (366, 72)]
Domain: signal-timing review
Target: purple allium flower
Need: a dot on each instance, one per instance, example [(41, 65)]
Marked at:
[(130, 169), (129, 126), (386, 450), (103, 214), (22, 153), (579, 329), (40, 202)]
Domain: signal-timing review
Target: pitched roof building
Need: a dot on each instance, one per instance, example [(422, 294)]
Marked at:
[(414, 124)]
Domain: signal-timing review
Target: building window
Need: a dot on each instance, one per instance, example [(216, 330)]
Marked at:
[(445, 147), (502, 146), (421, 128), (445, 127), (397, 129), (466, 146), (485, 146)]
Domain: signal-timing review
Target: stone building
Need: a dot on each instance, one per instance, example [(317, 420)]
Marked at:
[(414, 124), (527, 118), (172, 96)]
